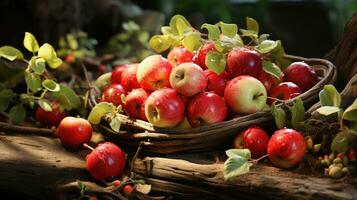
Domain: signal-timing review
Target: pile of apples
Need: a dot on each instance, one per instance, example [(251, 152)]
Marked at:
[(181, 91)]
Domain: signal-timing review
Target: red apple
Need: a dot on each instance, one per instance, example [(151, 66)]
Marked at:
[(127, 190), (286, 148), (269, 81), (154, 73), (164, 108), (113, 93), (206, 108), (253, 138), (302, 75), (105, 161), (245, 95), (116, 73), (284, 91), (179, 55), (128, 77), (216, 83), (242, 61), (74, 132), (188, 79), (134, 104), (200, 58), (52, 118)]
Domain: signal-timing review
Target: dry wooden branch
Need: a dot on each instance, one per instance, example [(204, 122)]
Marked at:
[(7, 127)]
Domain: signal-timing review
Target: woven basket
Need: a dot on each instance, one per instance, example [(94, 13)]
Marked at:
[(160, 140)]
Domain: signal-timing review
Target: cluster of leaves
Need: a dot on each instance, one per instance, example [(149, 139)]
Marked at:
[(238, 163), (331, 107), (37, 79), (291, 114)]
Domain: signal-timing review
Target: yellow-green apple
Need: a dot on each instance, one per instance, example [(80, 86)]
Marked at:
[(164, 108), (188, 79), (134, 104), (200, 57), (206, 108), (301, 74), (216, 83), (243, 61), (284, 91), (116, 73), (74, 132), (269, 81), (128, 77), (253, 138), (112, 94), (245, 95), (179, 55), (286, 148), (154, 73)]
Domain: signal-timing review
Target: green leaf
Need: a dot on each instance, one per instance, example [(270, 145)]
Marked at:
[(17, 114), (48, 53), (245, 153), (213, 31), (297, 113), (11, 53), (235, 166), (279, 116), (229, 30), (30, 42), (45, 105), (5, 97), (252, 25), (166, 30), (160, 43), (67, 98), (272, 69), (262, 38), (247, 33), (216, 61), (54, 63), (99, 111), (51, 85), (103, 80), (192, 41), (267, 46), (350, 113), (174, 25), (181, 26), (33, 82), (72, 41), (329, 96), (38, 65), (115, 124), (328, 110), (340, 143)]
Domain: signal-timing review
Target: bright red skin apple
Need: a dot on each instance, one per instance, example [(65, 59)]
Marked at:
[(164, 108), (128, 77), (286, 148), (242, 61), (74, 132), (105, 161), (116, 73), (302, 75), (179, 55), (127, 190), (200, 58), (52, 118), (188, 79), (269, 81), (284, 91), (206, 108), (216, 83), (112, 94), (154, 73), (253, 138), (134, 104)]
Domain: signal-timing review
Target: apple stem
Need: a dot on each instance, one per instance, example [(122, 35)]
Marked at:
[(88, 147), (278, 100), (255, 161)]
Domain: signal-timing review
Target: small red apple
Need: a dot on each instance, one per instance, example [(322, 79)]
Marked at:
[(284, 91), (74, 132), (127, 190), (206, 108), (188, 79), (134, 104), (154, 73), (179, 55), (116, 183), (253, 138), (105, 161), (286, 148), (200, 57), (302, 75), (128, 77), (116, 73), (164, 108), (69, 58), (216, 83), (113, 93), (52, 118), (269, 81), (243, 61)]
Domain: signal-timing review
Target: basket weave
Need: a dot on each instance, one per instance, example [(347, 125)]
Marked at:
[(161, 140)]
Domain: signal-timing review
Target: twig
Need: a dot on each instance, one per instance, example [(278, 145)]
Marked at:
[(135, 156), (7, 127)]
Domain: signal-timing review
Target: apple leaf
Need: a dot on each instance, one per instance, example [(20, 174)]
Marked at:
[(67, 98), (229, 30), (48, 53), (279, 116), (350, 113), (235, 166), (17, 114), (252, 25), (99, 111), (30, 42), (216, 61), (213, 31), (340, 143), (45, 105), (328, 110), (11, 53), (160, 43), (182, 26), (72, 41), (54, 63), (38, 65), (272, 69), (329, 96), (241, 152), (192, 41), (5, 97), (248, 33), (176, 21), (297, 113), (115, 123), (166, 30), (262, 38), (51, 85), (33, 82), (267, 46)]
